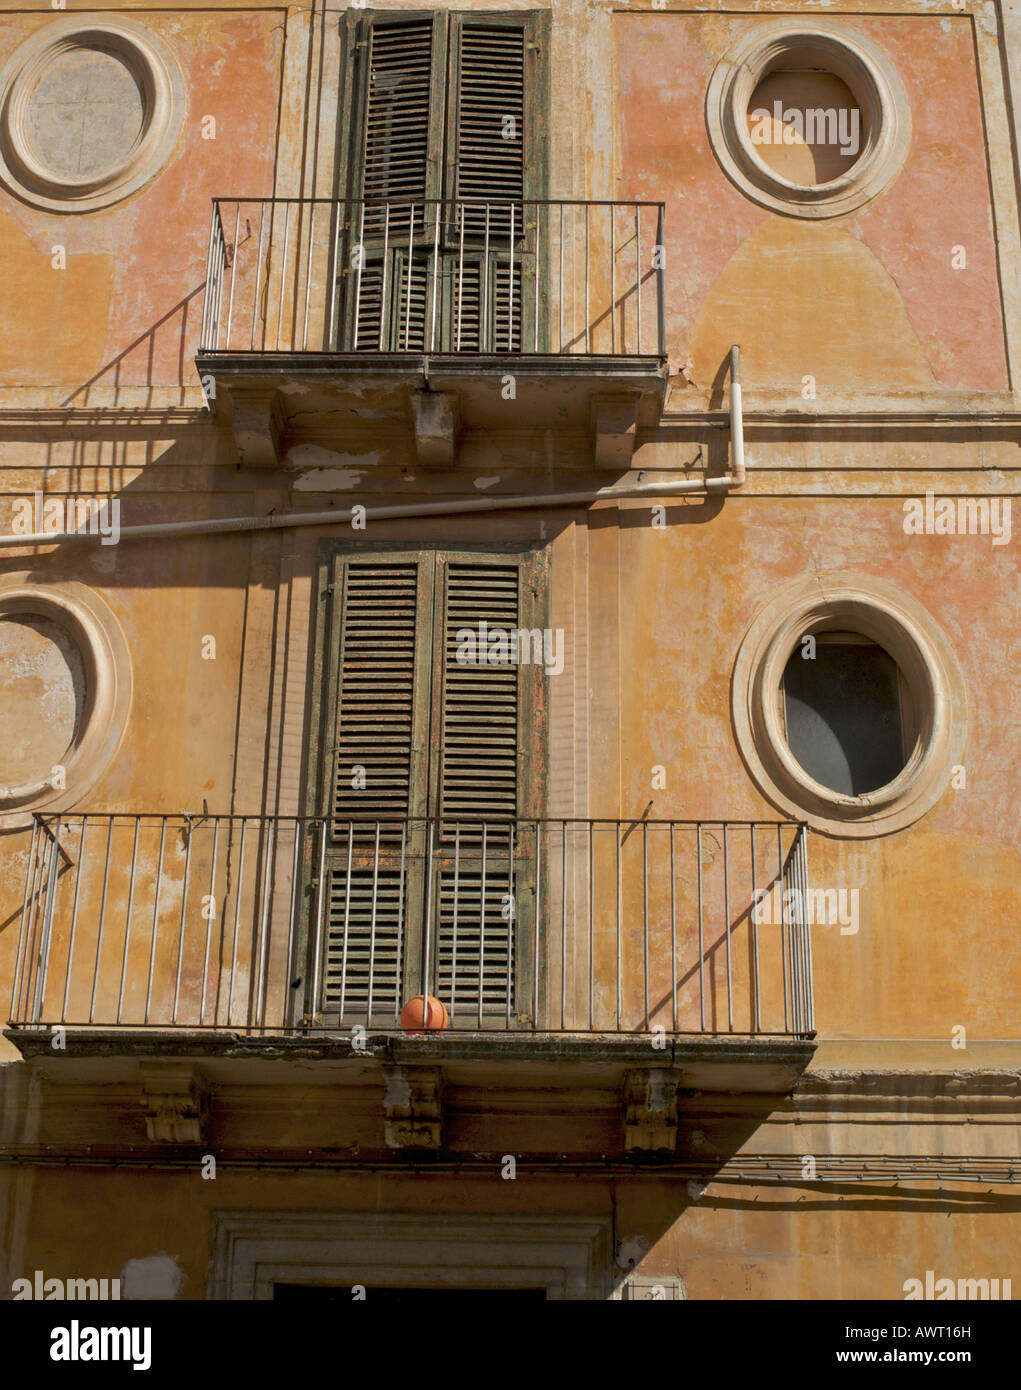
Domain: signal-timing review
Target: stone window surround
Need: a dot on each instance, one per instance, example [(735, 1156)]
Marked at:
[(162, 85), (89, 622), (860, 64), (903, 627), (570, 1257)]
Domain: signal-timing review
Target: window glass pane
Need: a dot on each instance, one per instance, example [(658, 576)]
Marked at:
[(843, 715)]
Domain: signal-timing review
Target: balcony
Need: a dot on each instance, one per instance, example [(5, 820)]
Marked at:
[(326, 316), (561, 935)]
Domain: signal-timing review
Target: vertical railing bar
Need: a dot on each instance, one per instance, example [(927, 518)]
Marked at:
[(258, 275), (23, 979), (427, 942), (23, 925), (588, 315), (511, 919), (781, 875), (292, 918), (180, 932), (382, 287), (457, 896), (726, 924), (358, 277), (411, 257), (43, 968), (372, 926), (260, 1002), (400, 924), (560, 287), (537, 213), (74, 919), (317, 941), (47, 925), (482, 920), (283, 279), (510, 287), (436, 278), (207, 295), (332, 286), (620, 931), (233, 276), (40, 897), (613, 281), (563, 925), (795, 937), (701, 929), (308, 275), (155, 915), (638, 270), (591, 925), (237, 919), (661, 284), (127, 920), (221, 266), (347, 915), (673, 926), (803, 928), (810, 1019), (535, 928), (755, 939), (460, 276), (209, 919), (484, 320), (102, 917), (645, 917)]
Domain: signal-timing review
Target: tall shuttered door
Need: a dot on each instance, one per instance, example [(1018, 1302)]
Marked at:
[(371, 790), (427, 870), (440, 257)]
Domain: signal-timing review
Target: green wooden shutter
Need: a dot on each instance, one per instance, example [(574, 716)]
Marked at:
[(380, 681), (403, 149), (432, 836), (482, 869), (490, 105)]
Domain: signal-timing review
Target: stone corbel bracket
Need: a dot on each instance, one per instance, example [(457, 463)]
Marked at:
[(413, 1107), (176, 1105), (258, 423), (614, 427), (434, 415), (650, 1111)]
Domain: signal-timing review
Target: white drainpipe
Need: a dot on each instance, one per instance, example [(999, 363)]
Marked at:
[(335, 517)]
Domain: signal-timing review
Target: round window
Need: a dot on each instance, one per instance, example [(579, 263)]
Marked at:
[(849, 705), (808, 119)]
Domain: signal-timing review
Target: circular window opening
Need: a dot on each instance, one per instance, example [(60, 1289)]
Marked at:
[(90, 110), (805, 123), (845, 710), (42, 695), (811, 120), (85, 114), (849, 705)]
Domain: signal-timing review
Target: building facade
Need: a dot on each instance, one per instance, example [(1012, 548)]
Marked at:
[(507, 621)]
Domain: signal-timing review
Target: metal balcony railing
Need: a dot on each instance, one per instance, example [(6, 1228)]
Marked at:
[(299, 275), (272, 924)]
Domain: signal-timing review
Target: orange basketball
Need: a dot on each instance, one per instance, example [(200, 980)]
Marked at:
[(429, 1014)]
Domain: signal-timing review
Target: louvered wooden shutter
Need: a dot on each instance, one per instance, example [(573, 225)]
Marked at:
[(376, 729), (490, 108), (480, 735), (400, 125), (433, 833)]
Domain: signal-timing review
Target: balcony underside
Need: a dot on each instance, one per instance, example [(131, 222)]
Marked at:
[(274, 399)]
